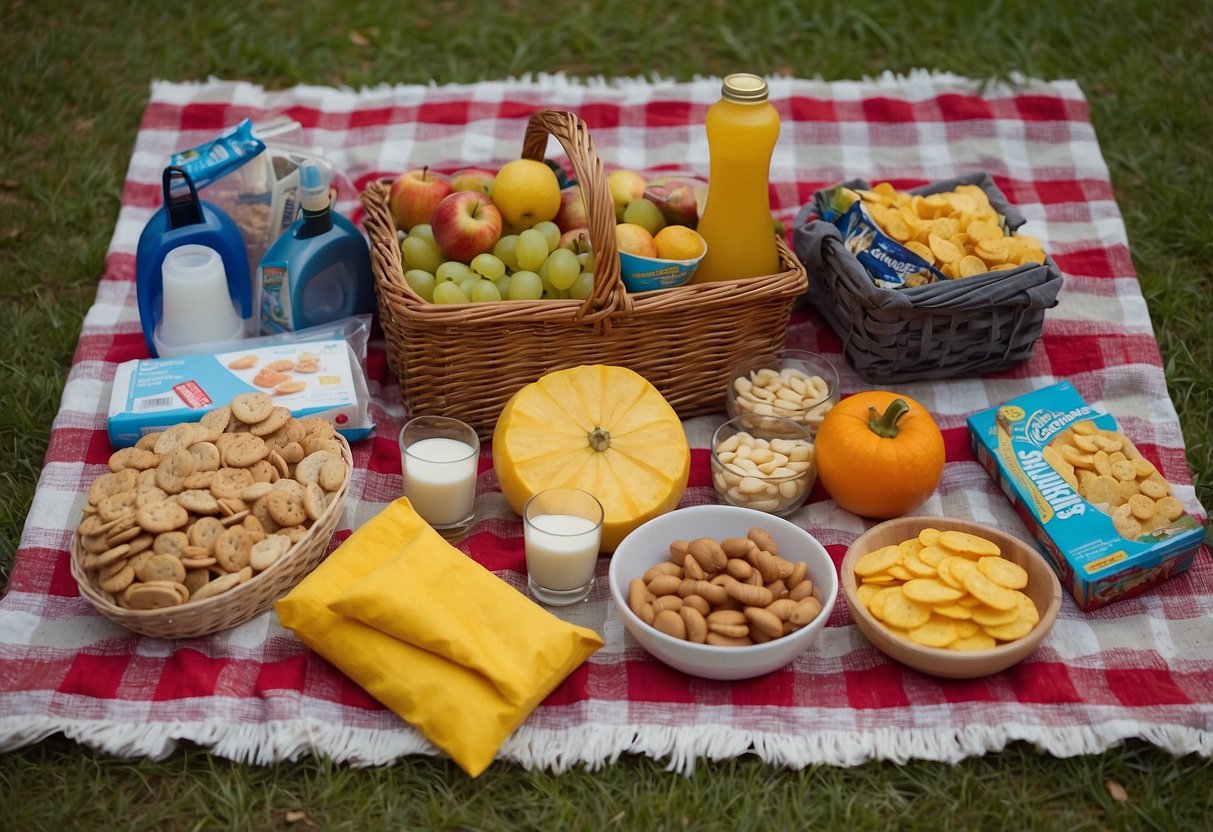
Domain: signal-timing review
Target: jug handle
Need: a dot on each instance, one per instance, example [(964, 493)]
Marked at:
[(183, 209)]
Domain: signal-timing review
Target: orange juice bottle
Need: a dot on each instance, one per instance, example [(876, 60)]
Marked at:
[(742, 130)]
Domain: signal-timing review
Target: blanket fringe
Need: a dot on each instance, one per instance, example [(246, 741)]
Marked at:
[(557, 751)]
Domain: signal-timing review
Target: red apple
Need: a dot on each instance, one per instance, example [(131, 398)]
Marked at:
[(679, 198), (572, 213), (415, 194), (466, 223), (473, 179), (576, 240)]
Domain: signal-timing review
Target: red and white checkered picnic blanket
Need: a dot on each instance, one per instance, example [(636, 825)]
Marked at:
[(1139, 668)]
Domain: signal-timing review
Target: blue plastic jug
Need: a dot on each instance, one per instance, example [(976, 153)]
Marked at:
[(184, 218)]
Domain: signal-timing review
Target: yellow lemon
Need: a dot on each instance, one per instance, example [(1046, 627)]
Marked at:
[(526, 192), (677, 242)]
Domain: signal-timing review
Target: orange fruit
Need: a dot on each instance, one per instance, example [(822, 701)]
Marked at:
[(677, 242)]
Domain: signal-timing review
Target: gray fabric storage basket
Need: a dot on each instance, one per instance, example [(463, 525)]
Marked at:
[(961, 327)]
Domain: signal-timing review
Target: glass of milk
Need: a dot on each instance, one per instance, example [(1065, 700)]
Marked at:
[(563, 532), (438, 459)]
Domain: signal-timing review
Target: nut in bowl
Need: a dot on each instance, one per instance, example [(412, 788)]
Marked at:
[(948, 597), (794, 384), (746, 611), (764, 463)]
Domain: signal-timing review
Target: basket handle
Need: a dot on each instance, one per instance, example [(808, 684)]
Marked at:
[(574, 136)]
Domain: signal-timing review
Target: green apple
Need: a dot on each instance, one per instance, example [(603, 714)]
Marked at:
[(646, 214)]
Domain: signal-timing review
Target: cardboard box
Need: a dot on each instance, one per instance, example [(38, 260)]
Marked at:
[(320, 378), (1025, 444)]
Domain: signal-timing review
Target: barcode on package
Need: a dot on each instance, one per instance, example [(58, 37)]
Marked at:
[(155, 403)]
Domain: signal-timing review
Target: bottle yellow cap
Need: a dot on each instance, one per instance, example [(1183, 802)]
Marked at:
[(744, 87)]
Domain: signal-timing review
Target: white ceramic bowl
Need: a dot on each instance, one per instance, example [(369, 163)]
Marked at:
[(649, 545)]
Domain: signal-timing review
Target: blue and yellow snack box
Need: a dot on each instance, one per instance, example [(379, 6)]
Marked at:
[(1102, 514)]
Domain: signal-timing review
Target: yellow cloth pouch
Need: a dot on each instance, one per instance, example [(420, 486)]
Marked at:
[(455, 651)]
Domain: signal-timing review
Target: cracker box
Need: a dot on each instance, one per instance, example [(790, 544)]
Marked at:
[(1101, 513), (312, 378)]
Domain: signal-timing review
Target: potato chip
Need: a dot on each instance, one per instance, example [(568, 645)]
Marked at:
[(931, 591), (988, 592), (945, 227), (880, 579), (899, 572), (918, 567), (977, 641), (876, 607), (878, 561), (1101, 463), (961, 203), (936, 632), (928, 536), (1032, 255), (1143, 467), (922, 251), (987, 616), (979, 230), (1027, 609), (1010, 632), (864, 593), (1085, 428), (1084, 442), (885, 191), (903, 612), (967, 544), (1077, 458), (970, 265), (965, 629), (896, 228), (1108, 441), (993, 252), (943, 571), (1003, 572), (956, 612), (931, 555), (943, 249)]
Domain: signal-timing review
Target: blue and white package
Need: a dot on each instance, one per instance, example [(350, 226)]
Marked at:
[(312, 378)]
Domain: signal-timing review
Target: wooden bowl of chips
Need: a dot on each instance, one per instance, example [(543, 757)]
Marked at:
[(916, 602), (202, 527)]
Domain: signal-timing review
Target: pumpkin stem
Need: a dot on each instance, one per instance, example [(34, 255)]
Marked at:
[(885, 424), (600, 439)]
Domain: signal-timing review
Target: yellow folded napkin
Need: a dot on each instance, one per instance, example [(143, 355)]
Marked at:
[(455, 651)]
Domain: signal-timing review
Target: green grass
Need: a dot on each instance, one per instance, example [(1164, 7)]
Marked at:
[(71, 97)]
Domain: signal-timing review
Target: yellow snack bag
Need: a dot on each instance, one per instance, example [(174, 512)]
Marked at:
[(458, 653)]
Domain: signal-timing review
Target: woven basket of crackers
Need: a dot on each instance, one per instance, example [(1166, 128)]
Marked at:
[(935, 282), (202, 526)]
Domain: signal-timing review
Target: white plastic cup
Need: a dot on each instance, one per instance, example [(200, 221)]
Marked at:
[(196, 305)]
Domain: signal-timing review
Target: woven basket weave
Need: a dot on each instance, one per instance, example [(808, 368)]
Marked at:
[(465, 361), (945, 329), (241, 603)]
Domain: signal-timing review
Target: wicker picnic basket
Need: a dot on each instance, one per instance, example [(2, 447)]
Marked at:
[(239, 604), (466, 360), (946, 329)]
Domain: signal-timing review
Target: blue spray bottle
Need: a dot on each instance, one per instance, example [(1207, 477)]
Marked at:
[(319, 270)]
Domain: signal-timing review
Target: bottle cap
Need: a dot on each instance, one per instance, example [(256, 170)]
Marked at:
[(314, 179), (744, 87)]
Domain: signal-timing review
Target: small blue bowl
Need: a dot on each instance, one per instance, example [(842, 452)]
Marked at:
[(643, 274)]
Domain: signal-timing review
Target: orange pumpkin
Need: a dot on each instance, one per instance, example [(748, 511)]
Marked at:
[(879, 454)]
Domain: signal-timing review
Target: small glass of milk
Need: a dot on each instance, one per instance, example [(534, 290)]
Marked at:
[(438, 459), (563, 533)]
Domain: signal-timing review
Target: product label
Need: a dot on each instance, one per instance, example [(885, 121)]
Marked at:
[(276, 314)]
